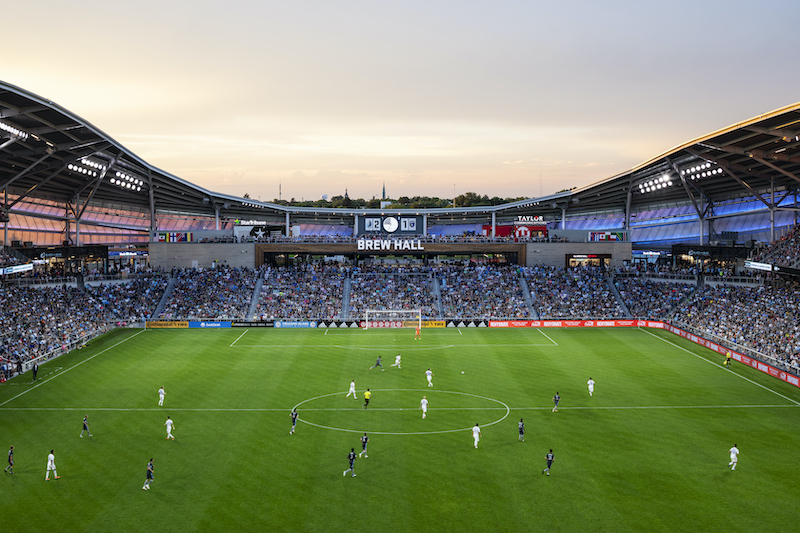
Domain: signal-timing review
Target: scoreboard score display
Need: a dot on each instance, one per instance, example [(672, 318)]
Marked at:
[(389, 225)]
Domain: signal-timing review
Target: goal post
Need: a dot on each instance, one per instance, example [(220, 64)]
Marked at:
[(392, 318)]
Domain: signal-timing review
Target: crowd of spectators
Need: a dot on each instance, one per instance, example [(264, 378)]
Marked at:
[(765, 319), (387, 287), (663, 270), (482, 291), (133, 300), (580, 292), (302, 292), (40, 320), (6, 258), (337, 239), (646, 298), (222, 293), (784, 251)]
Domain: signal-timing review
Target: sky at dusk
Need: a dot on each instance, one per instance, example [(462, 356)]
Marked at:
[(505, 98)]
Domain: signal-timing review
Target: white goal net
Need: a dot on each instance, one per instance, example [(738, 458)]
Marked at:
[(392, 318)]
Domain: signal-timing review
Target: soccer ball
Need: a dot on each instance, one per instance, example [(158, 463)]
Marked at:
[(462, 371)]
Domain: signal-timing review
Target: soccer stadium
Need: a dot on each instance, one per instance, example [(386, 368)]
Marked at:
[(639, 328)]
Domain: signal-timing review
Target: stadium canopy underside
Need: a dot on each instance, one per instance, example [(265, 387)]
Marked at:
[(63, 179)]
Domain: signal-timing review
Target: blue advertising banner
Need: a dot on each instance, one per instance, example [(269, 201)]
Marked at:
[(212, 324), (295, 324)]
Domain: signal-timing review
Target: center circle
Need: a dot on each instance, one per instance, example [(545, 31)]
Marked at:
[(431, 410)]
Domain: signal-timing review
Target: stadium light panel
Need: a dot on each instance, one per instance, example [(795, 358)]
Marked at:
[(16, 132)]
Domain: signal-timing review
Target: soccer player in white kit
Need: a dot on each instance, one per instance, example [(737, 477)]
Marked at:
[(396, 361), (170, 425), (352, 390), (429, 375), (476, 435), (161, 394), (734, 457), (51, 465), (590, 384), (423, 404)]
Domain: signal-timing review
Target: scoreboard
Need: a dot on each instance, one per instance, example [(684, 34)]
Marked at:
[(389, 225)]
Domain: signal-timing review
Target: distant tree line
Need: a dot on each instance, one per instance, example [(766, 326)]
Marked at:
[(469, 199)]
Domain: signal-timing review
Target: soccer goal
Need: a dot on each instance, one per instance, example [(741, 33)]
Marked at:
[(392, 318)]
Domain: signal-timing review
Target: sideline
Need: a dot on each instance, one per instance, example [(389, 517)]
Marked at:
[(718, 366), (546, 335), (70, 368), (239, 337)]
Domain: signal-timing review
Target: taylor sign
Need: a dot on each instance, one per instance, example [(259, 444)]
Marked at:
[(389, 245)]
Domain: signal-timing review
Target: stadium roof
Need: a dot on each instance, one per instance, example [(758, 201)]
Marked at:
[(47, 152)]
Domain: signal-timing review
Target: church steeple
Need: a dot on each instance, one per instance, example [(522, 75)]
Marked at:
[(345, 193)]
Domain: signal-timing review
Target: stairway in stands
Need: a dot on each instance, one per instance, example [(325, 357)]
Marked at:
[(613, 288), (526, 292), (437, 296), (164, 298), (256, 298), (346, 298)]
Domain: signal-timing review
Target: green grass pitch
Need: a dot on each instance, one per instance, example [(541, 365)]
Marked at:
[(649, 452)]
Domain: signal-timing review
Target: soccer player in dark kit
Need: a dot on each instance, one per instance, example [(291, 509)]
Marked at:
[(549, 458), (352, 458), (10, 467)]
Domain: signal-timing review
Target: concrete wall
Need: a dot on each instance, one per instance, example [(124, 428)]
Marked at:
[(554, 253), (181, 254)]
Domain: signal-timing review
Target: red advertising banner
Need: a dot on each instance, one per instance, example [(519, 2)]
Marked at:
[(575, 324), (519, 231)]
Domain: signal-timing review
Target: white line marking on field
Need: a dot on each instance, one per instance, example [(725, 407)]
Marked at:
[(718, 366), (239, 337), (459, 331), (348, 430), (384, 347), (648, 407), (546, 335), (288, 409), (70, 368), (326, 332)]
